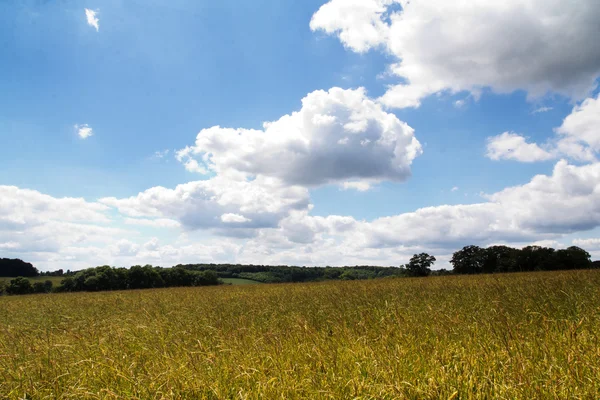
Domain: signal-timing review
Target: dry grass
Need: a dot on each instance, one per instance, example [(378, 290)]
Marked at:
[(505, 337)]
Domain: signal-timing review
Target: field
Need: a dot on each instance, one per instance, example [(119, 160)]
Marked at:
[(239, 281), (526, 336), (55, 279)]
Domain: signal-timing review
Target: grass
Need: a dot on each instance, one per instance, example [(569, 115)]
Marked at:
[(55, 279), (239, 281), (526, 336)]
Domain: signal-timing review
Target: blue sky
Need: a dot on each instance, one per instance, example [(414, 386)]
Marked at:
[(152, 75)]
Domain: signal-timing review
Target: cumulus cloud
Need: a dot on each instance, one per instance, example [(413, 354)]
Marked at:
[(231, 218), (360, 186), (262, 202), (92, 19), (84, 131), (592, 244), (358, 23), (546, 208), (511, 146), (577, 138), (56, 233), (42, 228), (583, 124), (458, 46), (153, 223), (337, 136)]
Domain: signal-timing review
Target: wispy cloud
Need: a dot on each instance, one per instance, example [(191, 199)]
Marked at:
[(84, 131), (159, 155), (92, 20), (541, 110), (455, 189)]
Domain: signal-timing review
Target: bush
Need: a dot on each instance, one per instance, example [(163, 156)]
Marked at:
[(42, 287), (19, 285)]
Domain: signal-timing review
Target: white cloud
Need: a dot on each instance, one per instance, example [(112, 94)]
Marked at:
[(358, 23), (577, 138), (542, 110), (192, 165), (200, 205), (459, 103), (455, 189), (92, 19), (361, 186), (588, 244), (124, 247), (511, 146), (337, 136), (231, 218), (72, 233), (159, 155), (583, 124), (546, 208), (154, 223), (539, 46), (44, 229), (84, 131)]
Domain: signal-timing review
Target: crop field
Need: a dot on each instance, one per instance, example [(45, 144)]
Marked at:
[(239, 281), (527, 336), (54, 279)]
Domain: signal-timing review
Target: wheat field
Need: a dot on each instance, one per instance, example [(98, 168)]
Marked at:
[(524, 336)]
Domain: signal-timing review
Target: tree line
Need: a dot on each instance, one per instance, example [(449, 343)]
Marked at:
[(468, 260), (108, 278), (496, 259), (284, 274), (15, 267)]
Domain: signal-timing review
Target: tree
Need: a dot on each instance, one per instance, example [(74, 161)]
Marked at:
[(420, 265), (572, 258), (500, 259), (19, 285), (15, 268), (67, 285), (469, 260), (536, 258), (42, 287)]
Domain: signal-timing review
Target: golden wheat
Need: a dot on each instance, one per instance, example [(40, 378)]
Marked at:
[(468, 337)]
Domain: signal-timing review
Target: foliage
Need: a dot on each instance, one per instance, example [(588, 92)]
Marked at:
[(475, 260), (504, 336), (13, 268), (19, 285), (468, 260), (137, 277), (420, 265), (42, 287), (281, 274)]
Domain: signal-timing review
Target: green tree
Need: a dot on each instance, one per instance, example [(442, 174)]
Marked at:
[(420, 265), (67, 285), (19, 285), (42, 287), (536, 258), (500, 259), (572, 258), (468, 260)]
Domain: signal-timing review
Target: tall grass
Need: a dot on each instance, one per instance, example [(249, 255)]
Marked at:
[(495, 336)]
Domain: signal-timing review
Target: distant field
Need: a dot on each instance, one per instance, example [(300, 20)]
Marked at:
[(513, 336), (55, 279), (238, 281)]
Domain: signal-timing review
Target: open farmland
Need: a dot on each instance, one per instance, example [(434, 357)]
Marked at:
[(490, 336)]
